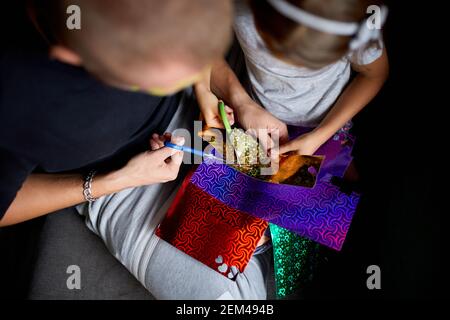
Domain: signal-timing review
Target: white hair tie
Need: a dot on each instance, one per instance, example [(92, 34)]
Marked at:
[(363, 32)]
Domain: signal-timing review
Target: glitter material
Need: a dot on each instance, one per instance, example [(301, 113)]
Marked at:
[(322, 213), (295, 257), (294, 260), (337, 150), (247, 148), (294, 169), (209, 231)]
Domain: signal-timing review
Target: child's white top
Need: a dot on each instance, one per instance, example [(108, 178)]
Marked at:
[(295, 95)]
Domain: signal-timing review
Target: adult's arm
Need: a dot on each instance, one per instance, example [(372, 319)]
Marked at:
[(44, 193)]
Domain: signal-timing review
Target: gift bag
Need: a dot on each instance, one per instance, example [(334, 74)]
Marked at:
[(220, 213), (322, 213), (295, 258), (210, 231)]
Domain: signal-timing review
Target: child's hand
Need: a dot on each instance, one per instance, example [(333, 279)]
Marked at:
[(306, 145), (211, 113), (209, 106), (253, 117)]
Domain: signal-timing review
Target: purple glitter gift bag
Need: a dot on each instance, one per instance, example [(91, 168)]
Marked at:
[(322, 213)]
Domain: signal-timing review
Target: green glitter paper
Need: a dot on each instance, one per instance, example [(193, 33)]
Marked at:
[(294, 260)]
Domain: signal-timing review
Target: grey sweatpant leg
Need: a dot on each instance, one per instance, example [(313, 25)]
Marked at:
[(126, 221)]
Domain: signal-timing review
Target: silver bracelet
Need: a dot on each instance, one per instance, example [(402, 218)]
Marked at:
[(87, 191)]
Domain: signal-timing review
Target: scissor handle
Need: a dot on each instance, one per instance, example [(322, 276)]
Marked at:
[(183, 148), (224, 117)]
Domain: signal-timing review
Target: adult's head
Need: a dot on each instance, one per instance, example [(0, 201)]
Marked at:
[(157, 46), (303, 45)]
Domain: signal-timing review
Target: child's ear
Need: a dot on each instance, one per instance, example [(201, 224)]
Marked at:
[(65, 55)]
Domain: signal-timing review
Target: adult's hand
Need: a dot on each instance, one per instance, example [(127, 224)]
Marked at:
[(159, 165), (44, 193)]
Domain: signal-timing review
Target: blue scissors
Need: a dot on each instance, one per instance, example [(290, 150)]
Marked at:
[(191, 150)]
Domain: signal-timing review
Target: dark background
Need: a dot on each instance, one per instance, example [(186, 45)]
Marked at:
[(399, 223), (398, 154)]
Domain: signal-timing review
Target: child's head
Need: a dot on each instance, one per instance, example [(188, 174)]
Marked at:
[(302, 45), (158, 45)]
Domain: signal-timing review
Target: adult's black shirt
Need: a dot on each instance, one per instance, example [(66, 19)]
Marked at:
[(57, 118)]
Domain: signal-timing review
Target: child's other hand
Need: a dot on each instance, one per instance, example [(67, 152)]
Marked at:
[(306, 145), (253, 118)]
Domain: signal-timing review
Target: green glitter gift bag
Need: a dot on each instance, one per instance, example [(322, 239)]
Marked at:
[(295, 258)]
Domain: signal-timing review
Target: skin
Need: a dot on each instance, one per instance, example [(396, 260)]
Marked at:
[(44, 193), (224, 84), (364, 87), (161, 79), (157, 142)]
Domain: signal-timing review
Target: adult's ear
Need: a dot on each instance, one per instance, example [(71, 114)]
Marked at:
[(65, 55)]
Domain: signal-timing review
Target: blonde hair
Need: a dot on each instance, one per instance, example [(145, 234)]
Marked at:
[(133, 31)]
